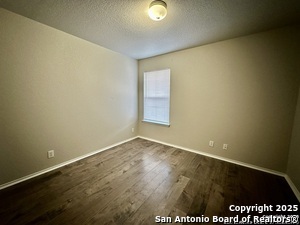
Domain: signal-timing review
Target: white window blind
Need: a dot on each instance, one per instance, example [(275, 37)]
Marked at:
[(157, 97)]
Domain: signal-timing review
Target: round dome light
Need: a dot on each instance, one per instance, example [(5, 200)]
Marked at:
[(157, 10)]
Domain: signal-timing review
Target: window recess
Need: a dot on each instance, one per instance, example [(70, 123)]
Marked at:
[(157, 97)]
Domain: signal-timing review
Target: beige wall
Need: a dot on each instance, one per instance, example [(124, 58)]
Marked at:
[(59, 92), (241, 92)]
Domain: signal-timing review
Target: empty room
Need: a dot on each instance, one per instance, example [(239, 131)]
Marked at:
[(149, 112)]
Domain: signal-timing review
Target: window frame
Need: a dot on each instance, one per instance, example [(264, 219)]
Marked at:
[(159, 122)]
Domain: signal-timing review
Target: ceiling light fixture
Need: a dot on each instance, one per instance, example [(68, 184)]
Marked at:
[(157, 10)]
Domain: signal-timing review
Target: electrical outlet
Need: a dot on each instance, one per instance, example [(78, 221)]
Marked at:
[(50, 154), (132, 129), (211, 143), (225, 146)]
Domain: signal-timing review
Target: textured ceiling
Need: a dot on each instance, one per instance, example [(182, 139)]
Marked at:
[(124, 26)]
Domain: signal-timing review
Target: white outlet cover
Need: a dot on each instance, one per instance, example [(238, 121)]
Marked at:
[(50, 154)]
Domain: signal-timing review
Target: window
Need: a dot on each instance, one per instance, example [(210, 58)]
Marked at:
[(157, 97)]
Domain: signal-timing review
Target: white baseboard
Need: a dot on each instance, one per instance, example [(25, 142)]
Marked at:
[(289, 181), (30, 176), (293, 186), (218, 157)]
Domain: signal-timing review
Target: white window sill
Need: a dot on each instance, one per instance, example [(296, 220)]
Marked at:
[(157, 122)]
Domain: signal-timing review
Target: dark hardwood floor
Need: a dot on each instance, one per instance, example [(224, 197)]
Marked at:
[(137, 181)]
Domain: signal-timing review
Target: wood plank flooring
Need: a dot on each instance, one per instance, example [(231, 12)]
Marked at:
[(136, 181)]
